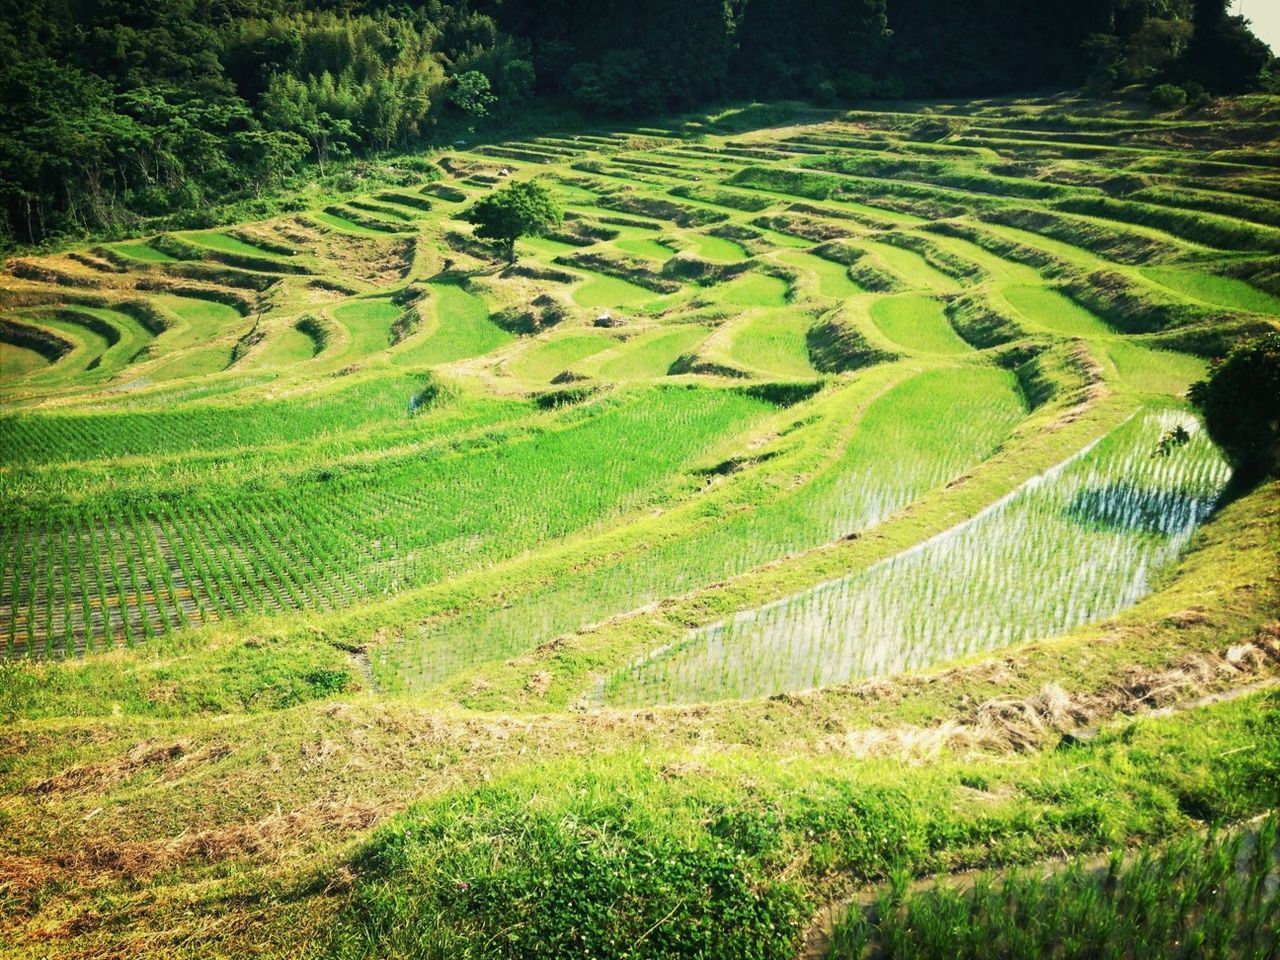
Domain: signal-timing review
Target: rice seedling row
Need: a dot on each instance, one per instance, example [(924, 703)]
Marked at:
[(1216, 896), (397, 526), (938, 424), (1074, 545)]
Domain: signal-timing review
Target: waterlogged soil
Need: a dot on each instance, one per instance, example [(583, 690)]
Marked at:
[(1080, 543)]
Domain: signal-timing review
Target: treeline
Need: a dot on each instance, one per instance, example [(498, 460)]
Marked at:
[(116, 110), (119, 109), (668, 54)]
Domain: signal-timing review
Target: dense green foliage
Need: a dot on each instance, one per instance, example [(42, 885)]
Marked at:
[(1241, 404), (524, 209), (119, 111), (592, 876)]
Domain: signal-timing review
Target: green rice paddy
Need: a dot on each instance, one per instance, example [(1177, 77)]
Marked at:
[(222, 241), (610, 292), (914, 269), (18, 361), (832, 278), (370, 323), (718, 249), (1054, 311), (462, 328), (650, 355), (1219, 291), (916, 323), (755, 290), (774, 343), (645, 247), (142, 251), (542, 360)]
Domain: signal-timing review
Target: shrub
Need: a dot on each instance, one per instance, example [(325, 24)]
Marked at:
[(1168, 96), (1241, 404), (326, 683), (345, 182), (1197, 96)]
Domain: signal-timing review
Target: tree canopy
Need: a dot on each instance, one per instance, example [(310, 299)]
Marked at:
[(1240, 400), (520, 209)]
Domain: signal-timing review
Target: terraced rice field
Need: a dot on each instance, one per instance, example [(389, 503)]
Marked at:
[(775, 408), (1075, 544), (788, 523)]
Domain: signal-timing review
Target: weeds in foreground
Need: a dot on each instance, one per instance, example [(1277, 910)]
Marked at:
[(1200, 897)]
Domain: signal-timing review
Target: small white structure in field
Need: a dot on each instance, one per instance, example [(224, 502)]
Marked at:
[(504, 172)]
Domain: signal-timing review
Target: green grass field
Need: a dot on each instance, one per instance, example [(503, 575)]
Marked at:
[(224, 242), (462, 329), (1218, 291), (142, 251), (366, 595), (610, 292), (17, 362), (832, 278), (645, 247), (542, 360), (773, 342), (755, 290), (916, 324), (718, 249), (1050, 310)]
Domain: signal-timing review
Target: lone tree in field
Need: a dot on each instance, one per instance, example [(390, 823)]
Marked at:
[(521, 209), (1241, 405)]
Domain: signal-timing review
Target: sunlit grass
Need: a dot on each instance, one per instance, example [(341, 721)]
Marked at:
[(917, 323), (543, 359), (369, 323), (754, 290), (1196, 897), (1220, 291), (1054, 311), (773, 342), (142, 251), (937, 424), (601, 291)]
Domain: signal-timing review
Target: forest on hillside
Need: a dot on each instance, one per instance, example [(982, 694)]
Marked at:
[(119, 111)]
